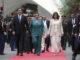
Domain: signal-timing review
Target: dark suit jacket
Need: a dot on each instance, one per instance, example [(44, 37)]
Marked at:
[(70, 26), (79, 26), (1, 28), (65, 26), (20, 27), (48, 24)]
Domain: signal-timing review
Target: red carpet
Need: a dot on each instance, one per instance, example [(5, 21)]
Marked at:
[(43, 56)]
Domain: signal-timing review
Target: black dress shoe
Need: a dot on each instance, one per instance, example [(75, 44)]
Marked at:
[(47, 50), (2, 54), (21, 54), (27, 52), (68, 45), (43, 51), (17, 54), (31, 51), (73, 58), (64, 49), (13, 50)]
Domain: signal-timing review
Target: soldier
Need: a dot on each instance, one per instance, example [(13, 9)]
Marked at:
[(2, 41), (12, 37)]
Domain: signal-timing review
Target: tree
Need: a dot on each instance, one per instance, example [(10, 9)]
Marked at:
[(70, 7)]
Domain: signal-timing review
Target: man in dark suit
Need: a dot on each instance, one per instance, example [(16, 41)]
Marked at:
[(77, 49), (20, 27), (72, 29), (28, 39), (65, 29), (45, 38)]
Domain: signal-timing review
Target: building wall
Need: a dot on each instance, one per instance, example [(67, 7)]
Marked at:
[(43, 12), (11, 5), (0, 2)]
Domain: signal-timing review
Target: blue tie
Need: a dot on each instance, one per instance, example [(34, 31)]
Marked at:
[(19, 19)]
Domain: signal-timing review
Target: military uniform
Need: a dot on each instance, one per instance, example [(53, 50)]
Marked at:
[(2, 41)]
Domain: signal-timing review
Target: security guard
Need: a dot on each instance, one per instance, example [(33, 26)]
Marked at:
[(77, 49)]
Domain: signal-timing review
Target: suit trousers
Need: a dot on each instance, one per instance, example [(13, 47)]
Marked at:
[(2, 43), (63, 42), (28, 43), (46, 40), (20, 42), (12, 42), (43, 42)]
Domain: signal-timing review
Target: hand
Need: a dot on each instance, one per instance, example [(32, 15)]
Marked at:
[(5, 33), (44, 36), (27, 32), (48, 35), (13, 32), (62, 35), (68, 34)]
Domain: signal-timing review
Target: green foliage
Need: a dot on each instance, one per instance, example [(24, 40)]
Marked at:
[(69, 7)]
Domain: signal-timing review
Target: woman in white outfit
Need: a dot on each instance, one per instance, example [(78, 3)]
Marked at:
[(55, 31)]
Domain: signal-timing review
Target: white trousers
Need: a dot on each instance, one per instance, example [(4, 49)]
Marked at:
[(43, 42), (56, 44)]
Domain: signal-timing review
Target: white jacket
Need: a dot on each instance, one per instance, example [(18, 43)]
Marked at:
[(55, 28)]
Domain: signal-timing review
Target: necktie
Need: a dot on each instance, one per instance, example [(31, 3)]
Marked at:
[(73, 21), (19, 18)]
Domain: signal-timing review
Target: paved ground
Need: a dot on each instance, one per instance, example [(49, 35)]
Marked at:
[(68, 53), (10, 54)]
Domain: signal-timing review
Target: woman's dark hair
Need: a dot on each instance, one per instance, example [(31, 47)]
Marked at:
[(36, 13), (55, 13)]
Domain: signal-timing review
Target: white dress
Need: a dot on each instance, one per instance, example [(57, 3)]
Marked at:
[(55, 31)]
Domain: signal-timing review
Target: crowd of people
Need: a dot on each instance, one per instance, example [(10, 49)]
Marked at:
[(39, 33)]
